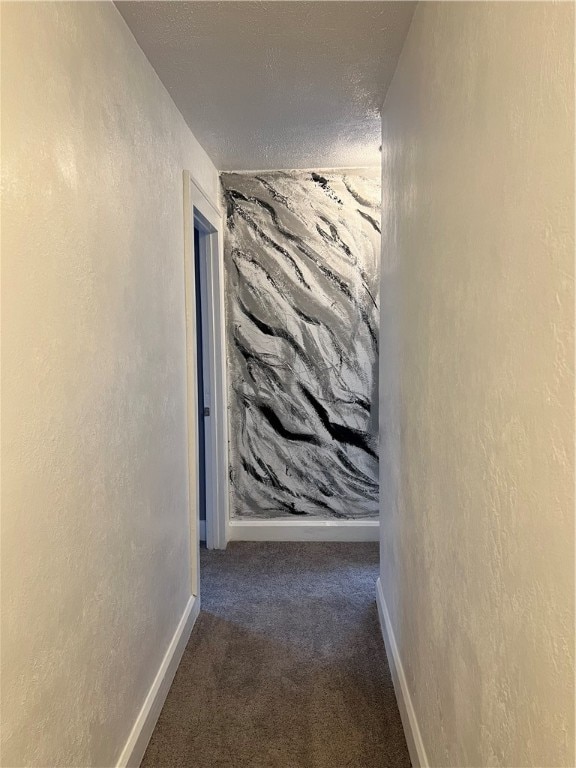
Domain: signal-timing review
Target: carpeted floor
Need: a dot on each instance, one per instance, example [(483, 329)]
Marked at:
[(285, 667)]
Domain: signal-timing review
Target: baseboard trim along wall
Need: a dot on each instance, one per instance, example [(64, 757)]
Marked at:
[(303, 530), (407, 712), (141, 732)]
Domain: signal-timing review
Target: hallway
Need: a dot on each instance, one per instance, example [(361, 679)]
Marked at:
[(285, 666), (354, 384)]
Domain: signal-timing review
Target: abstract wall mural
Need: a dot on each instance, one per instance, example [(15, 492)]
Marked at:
[(302, 269)]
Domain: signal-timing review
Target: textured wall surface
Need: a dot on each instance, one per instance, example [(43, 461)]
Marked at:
[(95, 561), (302, 263), (476, 447)]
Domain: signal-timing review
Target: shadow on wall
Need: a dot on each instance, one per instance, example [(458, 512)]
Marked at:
[(302, 253)]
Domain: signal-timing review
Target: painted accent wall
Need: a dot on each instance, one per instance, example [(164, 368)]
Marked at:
[(302, 270), (477, 380), (95, 523)]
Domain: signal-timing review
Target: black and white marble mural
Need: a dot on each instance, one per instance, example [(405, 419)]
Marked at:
[(302, 269)]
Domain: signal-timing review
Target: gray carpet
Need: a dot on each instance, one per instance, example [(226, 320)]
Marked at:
[(285, 667)]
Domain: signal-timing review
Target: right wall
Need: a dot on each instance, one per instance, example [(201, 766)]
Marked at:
[(476, 380)]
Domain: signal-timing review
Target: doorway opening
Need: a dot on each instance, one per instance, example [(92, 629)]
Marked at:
[(206, 375), (202, 372)]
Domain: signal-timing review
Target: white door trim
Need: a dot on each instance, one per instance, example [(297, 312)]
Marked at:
[(200, 210)]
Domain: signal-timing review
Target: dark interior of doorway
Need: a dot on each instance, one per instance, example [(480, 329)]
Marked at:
[(200, 387)]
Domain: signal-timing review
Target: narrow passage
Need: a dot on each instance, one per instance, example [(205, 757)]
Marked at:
[(285, 667)]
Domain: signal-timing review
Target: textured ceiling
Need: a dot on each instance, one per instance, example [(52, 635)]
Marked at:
[(276, 84)]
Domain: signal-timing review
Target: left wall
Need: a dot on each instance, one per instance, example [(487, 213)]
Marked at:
[(95, 550)]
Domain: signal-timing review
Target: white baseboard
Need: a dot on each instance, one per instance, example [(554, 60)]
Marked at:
[(303, 530), (407, 713), (141, 732)]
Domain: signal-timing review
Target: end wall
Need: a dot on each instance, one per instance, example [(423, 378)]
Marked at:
[(302, 258), (95, 541), (476, 374)]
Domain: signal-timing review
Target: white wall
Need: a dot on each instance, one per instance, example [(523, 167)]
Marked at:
[(477, 380), (95, 551)]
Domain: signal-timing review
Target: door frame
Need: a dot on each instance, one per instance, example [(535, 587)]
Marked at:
[(201, 212)]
